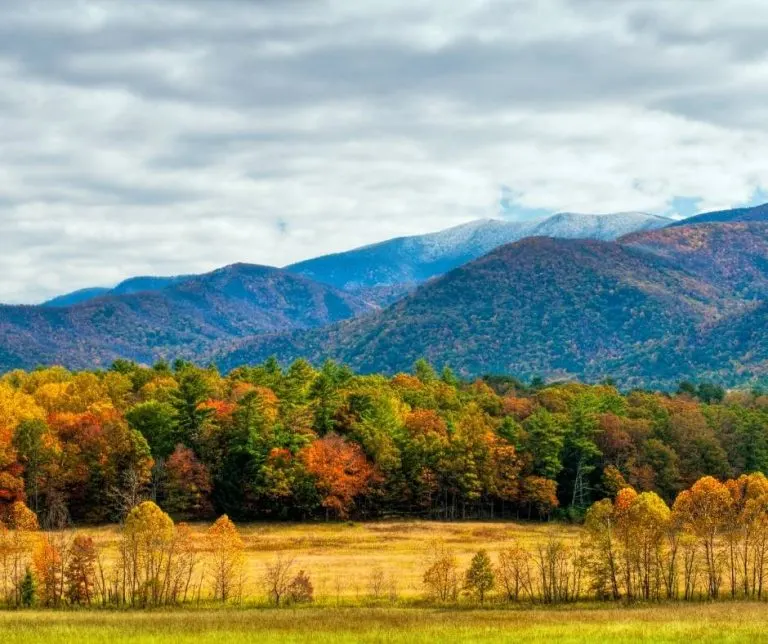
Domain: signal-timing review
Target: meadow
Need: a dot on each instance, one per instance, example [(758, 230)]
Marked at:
[(728, 622), (344, 559), (368, 588)]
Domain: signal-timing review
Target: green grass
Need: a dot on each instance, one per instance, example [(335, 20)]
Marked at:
[(742, 622)]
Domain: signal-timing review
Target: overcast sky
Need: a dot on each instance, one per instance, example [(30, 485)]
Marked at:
[(172, 136)]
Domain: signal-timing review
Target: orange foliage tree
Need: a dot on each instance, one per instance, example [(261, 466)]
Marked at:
[(341, 470), (704, 510)]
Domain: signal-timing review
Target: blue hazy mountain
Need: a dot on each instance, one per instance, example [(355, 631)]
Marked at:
[(131, 285), (383, 272), (76, 297), (184, 319), (400, 264)]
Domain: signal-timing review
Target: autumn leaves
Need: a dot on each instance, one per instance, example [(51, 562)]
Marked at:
[(156, 563), (638, 548)]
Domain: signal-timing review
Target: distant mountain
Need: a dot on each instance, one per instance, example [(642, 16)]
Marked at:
[(183, 319), (147, 283), (404, 262), (76, 297), (647, 310), (753, 213), (382, 273), (570, 225), (131, 285), (409, 260)]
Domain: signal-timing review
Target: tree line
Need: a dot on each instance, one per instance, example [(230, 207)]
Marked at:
[(298, 443), (712, 542)]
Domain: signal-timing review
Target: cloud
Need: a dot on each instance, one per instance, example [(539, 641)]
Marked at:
[(173, 137)]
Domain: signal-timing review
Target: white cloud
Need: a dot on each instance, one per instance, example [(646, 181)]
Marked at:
[(175, 137)]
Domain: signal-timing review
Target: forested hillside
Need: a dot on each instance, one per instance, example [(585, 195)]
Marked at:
[(647, 310), (183, 319), (300, 442)]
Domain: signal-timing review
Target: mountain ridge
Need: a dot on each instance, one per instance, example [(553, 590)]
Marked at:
[(384, 271), (557, 308), (181, 320)]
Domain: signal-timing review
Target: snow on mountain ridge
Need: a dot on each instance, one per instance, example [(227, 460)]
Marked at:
[(483, 235), (406, 261), (606, 227)]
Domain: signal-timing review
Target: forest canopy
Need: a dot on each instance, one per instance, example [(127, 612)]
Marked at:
[(299, 443)]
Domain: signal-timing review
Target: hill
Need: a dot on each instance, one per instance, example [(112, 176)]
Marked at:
[(181, 320), (729, 255), (130, 285), (541, 306), (753, 213), (402, 263)]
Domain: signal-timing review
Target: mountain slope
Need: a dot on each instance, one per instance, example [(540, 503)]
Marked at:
[(729, 255), (407, 261), (754, 213), (181, 320), (76, 297), (130, 285), (539, 306)]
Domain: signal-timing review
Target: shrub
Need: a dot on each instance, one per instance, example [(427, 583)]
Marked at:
[(300, 589)]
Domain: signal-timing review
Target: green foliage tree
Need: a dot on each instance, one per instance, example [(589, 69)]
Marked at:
[(479, 578), (158, 424), (27, 589), (33, 454), (545, 440)]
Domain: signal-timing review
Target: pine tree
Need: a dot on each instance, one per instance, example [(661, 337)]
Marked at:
[(27, 589)]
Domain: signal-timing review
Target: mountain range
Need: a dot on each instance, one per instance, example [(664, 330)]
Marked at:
[(638, 310), (397, 265), (382, 272), (181, 320), (633, 296)]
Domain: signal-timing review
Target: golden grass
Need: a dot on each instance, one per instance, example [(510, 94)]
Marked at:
[(737, 622), (339, 557)]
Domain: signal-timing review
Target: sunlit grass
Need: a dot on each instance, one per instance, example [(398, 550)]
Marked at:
[(339, 557), (684, 623)]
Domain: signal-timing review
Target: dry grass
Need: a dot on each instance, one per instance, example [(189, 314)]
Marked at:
[(339, 557)]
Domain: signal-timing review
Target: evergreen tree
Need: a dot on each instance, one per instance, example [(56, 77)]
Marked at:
[(27, 589), (479, 578)]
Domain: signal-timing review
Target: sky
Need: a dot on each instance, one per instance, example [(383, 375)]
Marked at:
[(176, 136)]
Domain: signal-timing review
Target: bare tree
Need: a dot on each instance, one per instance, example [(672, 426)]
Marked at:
[(277, 578), (129, 494), (377, 582)]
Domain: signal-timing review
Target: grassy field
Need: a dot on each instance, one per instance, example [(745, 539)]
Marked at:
[(340, 557), (685, 623)]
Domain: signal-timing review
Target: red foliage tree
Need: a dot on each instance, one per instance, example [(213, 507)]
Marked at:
[(188, 485)]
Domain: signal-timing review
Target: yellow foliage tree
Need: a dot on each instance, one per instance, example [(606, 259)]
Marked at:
[(704, 510), (17, 539), (225, 549), (147, 554)]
